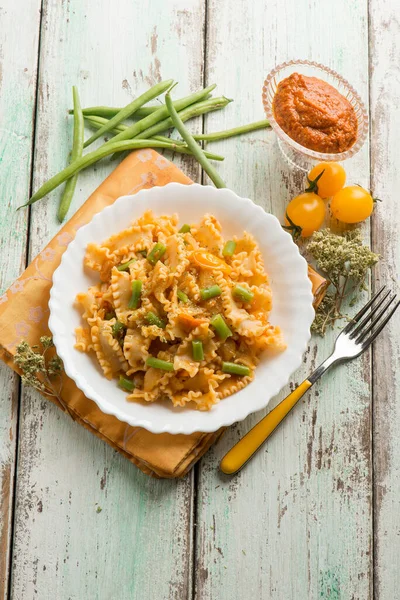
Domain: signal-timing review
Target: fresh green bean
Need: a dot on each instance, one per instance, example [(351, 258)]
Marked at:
[(143, 253), (128, 110), (210, 292), (77, 150), (110, 111), (163, 138), (221, 327), (93, 157), (235, 369), (134, 300), (152, 319), (192, 144), (227, 133), (126, 384), (125, 266), (134, 130), (242, 293), (188, 113), (156, 253), (185, 228), (98, 122), (157, 363), (229, 248), (182, 296), (197, 350)]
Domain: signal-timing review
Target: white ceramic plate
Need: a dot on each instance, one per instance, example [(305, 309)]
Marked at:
[(292, 305)]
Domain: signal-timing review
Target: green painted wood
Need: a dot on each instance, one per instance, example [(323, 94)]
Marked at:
[(88, 523), (385, 172), (18, 62), (296, 522)]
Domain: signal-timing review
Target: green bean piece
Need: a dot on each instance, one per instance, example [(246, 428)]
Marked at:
[(227, 133), (156, 253), (192, 144), (125, 266), (109, 315), (128, 110), (110, 111), (143, 253), (157, 116), (136, 292), (221, 327), (199, 108), (197, 350), (163, 138), (98, 122), (118, 331), (229, 249), (157, 363), (182, 296), (126, 384), (211, 292), (152, 319), (184, 229), (235, 369), (242, 293), (77, 150), (92, 157)]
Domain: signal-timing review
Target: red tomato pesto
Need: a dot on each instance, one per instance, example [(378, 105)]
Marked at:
[(314, 114)]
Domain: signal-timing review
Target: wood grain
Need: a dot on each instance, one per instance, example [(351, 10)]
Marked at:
[(385, 179), (297, 521), (18, 64), (88, 523)]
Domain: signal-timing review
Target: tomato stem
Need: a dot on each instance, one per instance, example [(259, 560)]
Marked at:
[(292, 228), (313, 183)]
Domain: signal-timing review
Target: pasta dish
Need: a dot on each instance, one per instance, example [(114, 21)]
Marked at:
[(178, 311)]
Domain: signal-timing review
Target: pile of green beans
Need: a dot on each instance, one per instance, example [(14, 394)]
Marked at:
[(138, 126)]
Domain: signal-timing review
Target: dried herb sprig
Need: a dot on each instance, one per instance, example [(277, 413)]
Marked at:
[(345, 261), (40, 372)]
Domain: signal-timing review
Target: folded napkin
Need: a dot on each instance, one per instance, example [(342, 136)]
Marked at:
[(24, 315)]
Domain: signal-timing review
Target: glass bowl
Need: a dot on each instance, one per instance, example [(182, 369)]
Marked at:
[(296, 154)]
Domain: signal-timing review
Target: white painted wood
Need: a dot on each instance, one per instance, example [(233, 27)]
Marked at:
[(385, 179), (18, 61), (296, 522), (138, 546)]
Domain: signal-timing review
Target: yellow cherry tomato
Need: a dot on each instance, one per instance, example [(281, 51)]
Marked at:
[(306, 213), (206, 260), (352, 204), (331, 181)]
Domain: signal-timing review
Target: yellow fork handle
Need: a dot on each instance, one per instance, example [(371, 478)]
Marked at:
[(251, 442)]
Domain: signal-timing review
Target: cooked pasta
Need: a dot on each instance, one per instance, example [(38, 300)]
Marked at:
[(178, 312)]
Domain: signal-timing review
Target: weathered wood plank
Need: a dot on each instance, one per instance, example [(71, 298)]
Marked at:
[(296, 522), (385, 178), (18, 64), (138, 546)]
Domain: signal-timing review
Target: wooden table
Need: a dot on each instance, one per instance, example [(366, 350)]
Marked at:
[(317, 513)]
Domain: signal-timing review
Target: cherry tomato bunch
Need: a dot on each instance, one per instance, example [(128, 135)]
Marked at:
[(306, 212)]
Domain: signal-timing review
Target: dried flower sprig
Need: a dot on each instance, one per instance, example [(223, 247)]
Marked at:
[(345, 261), (39, 372)]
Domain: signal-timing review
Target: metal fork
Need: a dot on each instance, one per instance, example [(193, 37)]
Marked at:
[(356, 337)]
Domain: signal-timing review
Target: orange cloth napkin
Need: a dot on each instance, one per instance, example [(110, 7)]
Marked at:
[(24, 315)]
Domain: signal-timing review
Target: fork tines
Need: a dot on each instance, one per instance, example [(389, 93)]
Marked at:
[(374, 326)]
